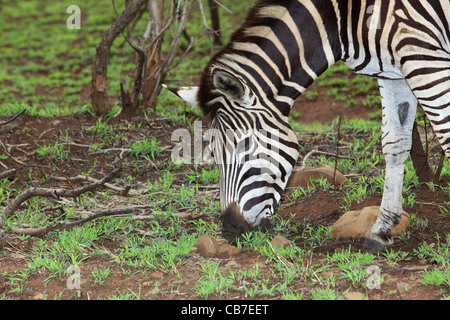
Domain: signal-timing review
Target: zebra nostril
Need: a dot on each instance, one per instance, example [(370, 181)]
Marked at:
[(234, 225)]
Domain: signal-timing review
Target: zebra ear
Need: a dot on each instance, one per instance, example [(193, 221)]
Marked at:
[(188, 94), (228, 84)]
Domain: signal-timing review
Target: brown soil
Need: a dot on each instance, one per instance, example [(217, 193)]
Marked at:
[(325, 109)]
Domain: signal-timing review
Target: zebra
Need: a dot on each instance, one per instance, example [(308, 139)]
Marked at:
[(278, 52)]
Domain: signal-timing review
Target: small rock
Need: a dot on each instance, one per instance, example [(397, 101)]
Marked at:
[(231, 263), (223, 251), (233, 251), (280, 242), (221, 241), (355, 224), (303, 178), (207, 246), (353, 296), (157, 275), (38, 296), (226, 251)]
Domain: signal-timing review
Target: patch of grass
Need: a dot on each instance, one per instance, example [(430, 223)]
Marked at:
[(100, 275), (352, 265), (56, 151), (326, 293), (205, 176), (146, 149), (393, 256), (213, 281), (51, 54), (438, 252), (436, 277)]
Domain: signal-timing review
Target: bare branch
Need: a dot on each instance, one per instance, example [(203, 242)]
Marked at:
[(55, 193), (209, 31), (99, 96), (320, 152), (122, 191), (7, 173), (223, 7), (13, 118), (65, 225)]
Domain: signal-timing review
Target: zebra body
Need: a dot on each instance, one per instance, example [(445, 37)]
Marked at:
[(280, 50)]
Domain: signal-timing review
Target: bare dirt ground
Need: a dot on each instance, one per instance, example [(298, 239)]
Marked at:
[(19, 139)]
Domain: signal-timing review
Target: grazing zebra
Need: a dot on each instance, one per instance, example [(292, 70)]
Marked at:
[(279, 51)]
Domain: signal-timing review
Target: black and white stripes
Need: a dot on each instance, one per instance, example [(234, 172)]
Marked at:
[(282, 47)]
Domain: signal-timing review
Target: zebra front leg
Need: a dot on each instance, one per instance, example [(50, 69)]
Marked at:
[(399, 108)]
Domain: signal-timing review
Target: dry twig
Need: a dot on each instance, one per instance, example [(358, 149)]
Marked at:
[(309, 154), (14, 205), (7, 173), (65, 225), (13, 118), (122, 191)]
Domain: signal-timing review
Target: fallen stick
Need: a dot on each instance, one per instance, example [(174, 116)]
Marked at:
[(122, 150), (7, 173), (122, 191), (320, 152), (55, 193), (13, 118), (66, 224)]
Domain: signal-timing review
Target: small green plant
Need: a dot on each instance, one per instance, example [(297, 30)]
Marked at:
[(436, 277), (393, 256), (252, 239), (372, 101), (101, 275), (56, 151), (352, 265), (212, 281), (316, 235), (326, 293), (356, 192), (417, 223), (409, 200), (146, 148), (438, 252), (205, 177)]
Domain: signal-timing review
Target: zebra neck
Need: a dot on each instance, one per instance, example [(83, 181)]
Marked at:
[(283, 47)]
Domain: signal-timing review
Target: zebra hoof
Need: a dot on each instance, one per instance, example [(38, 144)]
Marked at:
[(377, 241), (373, 245)]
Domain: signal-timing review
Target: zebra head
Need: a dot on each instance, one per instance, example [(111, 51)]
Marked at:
[(253, 144)]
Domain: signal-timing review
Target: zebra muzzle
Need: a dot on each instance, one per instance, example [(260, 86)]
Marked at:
[(234, 224)]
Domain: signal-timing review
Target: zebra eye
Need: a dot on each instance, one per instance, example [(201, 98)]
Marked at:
[(243, 145), (246, 145)]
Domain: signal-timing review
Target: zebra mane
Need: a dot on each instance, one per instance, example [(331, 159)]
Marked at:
[(206, 94)]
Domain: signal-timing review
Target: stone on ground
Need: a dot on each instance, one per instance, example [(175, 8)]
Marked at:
[(280, 242), (303, 178), (353, 296), (355, 224), (208, 247)]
